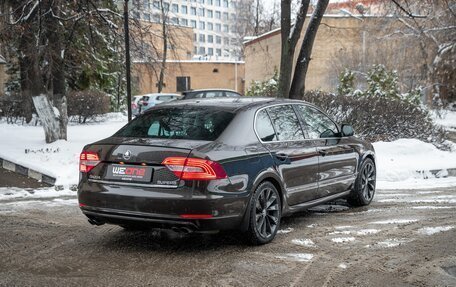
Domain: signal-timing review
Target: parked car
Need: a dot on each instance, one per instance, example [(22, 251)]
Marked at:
[(135, 105), (151, 100), (217, 164), (209, 93)]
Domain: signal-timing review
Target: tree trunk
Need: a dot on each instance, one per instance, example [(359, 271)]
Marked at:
[(289, 39), (161, 79), (45, 111), (302, 64), (57, 68)]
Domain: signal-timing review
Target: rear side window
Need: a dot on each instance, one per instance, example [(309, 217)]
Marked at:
[(164, 98), (286, 123), (179, 123), (264, 128), (214, 94)]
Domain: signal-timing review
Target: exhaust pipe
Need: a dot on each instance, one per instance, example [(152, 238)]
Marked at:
[(183, 230), (94, 221)]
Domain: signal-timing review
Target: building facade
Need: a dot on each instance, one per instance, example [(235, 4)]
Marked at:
[(342, 42), (213, 22)]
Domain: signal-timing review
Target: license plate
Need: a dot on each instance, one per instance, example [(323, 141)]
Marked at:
[(133, 173)]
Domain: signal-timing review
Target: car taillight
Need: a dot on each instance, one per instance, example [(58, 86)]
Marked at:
[(88, 160), (194, 168), (133, 106)]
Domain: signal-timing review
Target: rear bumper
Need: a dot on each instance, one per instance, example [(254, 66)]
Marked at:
[(121, 217), (166, 208)]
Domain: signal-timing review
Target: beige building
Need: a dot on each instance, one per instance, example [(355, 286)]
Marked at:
[(183, 70), (189, 74), (341, 42)]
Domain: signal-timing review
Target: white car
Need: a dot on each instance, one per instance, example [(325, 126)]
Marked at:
[(135, 105), (148, 101)]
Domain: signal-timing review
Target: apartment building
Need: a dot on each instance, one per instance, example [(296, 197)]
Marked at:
[(213, 22)]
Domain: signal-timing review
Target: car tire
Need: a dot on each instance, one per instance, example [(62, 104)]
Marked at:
[(265, 214), (364, 188)]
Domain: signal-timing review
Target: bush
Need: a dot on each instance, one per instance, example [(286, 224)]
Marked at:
[(267, 88), (13, 108), (86, 105), (376, 118)]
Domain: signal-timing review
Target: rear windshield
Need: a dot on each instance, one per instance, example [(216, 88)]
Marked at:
[(178, 123)]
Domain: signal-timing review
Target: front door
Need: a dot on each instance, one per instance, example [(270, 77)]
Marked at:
[(337, 158)]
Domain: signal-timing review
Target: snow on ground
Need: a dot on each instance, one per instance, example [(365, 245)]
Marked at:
[(303, 242), (434, 230), (25, 145), (446, 119), (397, 162), (7, 193), (300, 257)]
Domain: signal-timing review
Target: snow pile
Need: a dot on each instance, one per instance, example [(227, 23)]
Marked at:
[(303, 242), (343, 239), (25, 145), (399, 164), (9, 193)]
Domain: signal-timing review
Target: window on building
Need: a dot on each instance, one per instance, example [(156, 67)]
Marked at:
[(202, 38), (183, 22), (233, 29), (218, 39), (195, 37), (210, 26), (202, 51), (201, 12), (226, 41), (210, 51), (157, 4), (193, 10), (201, 1), (202, 25), (184, 9), (136, 15), (175, 21), (166, 6), (146, 4), (156, 17), (225, 3), (233, 16), (233, 41), (218, 27), (210, 39), (193, 23), (218, 52), (217, 3), (225, 28), (175, 8), (218, 15), (195, 50), (182, 83), (147, 16), (210, 2), (225, 16), (210, 14)]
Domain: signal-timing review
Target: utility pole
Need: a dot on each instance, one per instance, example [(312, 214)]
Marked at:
[(127, 58)]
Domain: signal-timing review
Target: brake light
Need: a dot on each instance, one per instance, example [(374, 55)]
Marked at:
[(88, 160), (194, 168)]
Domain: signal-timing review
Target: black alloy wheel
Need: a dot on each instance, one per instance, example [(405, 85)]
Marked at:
[(364, 188), (265, 214)]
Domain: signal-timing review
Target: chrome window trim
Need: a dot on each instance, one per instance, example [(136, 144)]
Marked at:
[(290, 104)]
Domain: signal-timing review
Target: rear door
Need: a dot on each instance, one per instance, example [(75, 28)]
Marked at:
[(337, 159), (296, 160)]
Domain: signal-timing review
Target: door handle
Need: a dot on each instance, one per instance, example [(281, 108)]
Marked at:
[(323, 152), (281, 156)]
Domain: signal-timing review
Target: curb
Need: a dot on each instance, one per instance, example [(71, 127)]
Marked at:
[(11, 166)]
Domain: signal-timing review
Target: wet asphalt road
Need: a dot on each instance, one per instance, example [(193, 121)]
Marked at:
[(405, 238)]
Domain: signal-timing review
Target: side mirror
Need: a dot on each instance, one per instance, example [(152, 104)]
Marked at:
[(347, 130)]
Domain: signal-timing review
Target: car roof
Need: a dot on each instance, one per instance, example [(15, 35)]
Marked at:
[(209, 90), (232, 104)]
